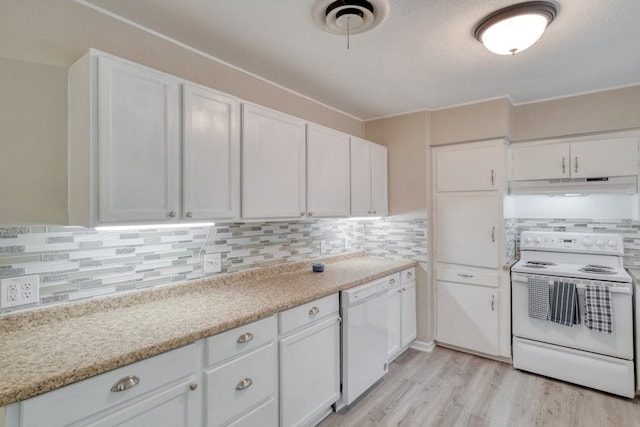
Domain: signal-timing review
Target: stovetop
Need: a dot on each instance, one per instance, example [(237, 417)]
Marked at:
[(573, 255)]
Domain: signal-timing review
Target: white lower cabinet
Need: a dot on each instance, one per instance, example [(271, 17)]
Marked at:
[(309, 361), (467, 315), (160, 391), (241, 386), (401, 314)]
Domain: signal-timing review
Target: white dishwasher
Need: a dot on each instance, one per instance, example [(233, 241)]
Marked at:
[(364, 337)]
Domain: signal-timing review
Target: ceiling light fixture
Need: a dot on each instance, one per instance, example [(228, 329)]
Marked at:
[(347, 17), (515, 28)]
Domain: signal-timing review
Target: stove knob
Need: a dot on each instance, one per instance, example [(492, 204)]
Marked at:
[(528, 239), (600, 242), (587, 242), (612, 243), (538, 240)]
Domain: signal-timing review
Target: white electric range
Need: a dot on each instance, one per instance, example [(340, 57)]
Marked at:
[(575, 353)]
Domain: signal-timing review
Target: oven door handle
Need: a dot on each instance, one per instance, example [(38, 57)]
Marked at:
[(522, 279)]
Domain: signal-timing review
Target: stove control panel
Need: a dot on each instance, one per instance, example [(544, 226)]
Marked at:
[(560, 241)]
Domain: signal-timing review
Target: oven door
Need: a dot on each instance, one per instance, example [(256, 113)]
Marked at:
[(618, 344)]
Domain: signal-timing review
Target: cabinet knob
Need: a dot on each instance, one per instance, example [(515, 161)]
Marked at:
[(375, 212), (189, 215), (125, 383), (369, 212), (310, 214), (172, 214), (193, 386), (409, 275), (244, 338), (244, 384), (301, 213), (314, 310), (392, 281)]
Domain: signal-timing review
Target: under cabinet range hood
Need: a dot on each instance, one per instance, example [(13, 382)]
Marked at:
[(576, 186)]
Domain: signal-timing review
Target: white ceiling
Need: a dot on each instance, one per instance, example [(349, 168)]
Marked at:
[(423, 56)]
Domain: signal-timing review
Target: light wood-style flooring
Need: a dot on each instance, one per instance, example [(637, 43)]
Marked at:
[(450, 388)]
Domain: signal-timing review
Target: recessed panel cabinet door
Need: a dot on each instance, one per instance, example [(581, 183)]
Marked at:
[(409, 327), (138, 143), (379, 196), (549, 161), (467, 316), (273, 164), (211, 155), (360, 177), (468, 168), (327, 172), (467, 229), (604, 157), (394, 328)]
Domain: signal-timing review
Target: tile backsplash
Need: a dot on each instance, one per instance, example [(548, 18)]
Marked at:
[(78, 263)]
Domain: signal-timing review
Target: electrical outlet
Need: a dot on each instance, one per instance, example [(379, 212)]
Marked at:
[(212, 263), (347, 244), (19, 291), (324, 247)]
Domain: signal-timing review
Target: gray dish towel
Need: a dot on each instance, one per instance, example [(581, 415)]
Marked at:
[(564, 303), (597, 308), (538, 298)]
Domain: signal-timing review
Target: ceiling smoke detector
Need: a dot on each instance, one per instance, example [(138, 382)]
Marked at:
[(345, 17)]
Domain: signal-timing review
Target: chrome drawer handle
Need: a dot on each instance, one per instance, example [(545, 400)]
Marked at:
[(244, 384), (125, 383), (465, 275), (314, 310), (244, 338)]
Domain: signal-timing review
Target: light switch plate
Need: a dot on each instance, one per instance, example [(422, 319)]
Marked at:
[(212, 263), (324, 247), (22, 290)]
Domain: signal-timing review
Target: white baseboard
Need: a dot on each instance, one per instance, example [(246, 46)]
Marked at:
[(423, 346)]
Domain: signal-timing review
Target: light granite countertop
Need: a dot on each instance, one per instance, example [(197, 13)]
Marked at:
[(48, 348)]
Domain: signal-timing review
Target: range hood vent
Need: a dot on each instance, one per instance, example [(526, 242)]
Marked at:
[(576, 186)]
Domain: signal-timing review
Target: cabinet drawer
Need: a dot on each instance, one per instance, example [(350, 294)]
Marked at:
[(77, 401), (467, 276), (241, 339), (239, 384), (265, 415), (408, 275), (308, 313)]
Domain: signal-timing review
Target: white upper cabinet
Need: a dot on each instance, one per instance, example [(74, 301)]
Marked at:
[(273, 164), (464, 168), (138, 143), (146, 147), (211, 154), (368, 178), (327, 172), (578, 159)]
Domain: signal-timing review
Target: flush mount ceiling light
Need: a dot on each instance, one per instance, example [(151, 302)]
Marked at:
[(515, 28), (346, 17)]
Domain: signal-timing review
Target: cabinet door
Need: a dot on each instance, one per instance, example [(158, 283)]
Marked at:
[(138, 143), (468, 168), (177, 405), (408, 313), (379, 187), (467, 316), (394, 313), (273, 164), (211, 155), (604, 157), (360, 177), (467, 229), (309, 373), (327, 172), (540, 161)]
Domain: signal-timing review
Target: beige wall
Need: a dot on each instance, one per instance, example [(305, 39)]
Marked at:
[(473, 122), (610, 110), (406, 138), (33, 143), (62, 31)]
